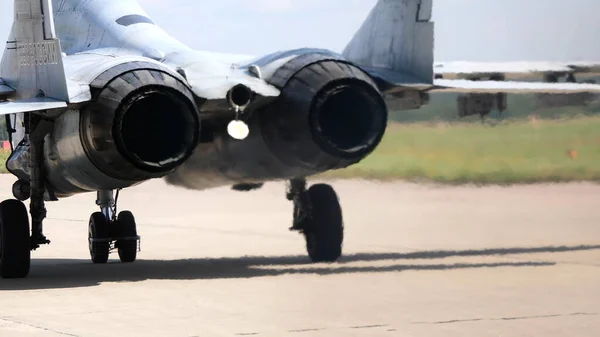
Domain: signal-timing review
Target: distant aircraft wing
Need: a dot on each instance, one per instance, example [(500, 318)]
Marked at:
[(513, 77), (468, 86), (464, 69)]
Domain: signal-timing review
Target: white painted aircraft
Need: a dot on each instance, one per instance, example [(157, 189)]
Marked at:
[(99, 98)]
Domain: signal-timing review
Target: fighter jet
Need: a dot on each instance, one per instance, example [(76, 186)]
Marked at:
[(98, 98)]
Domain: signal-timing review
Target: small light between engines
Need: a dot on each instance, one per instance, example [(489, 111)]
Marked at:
[(238, 130)]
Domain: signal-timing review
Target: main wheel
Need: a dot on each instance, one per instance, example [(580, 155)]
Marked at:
[(98, 230), (324, 232), (127, 228), (15, 248)]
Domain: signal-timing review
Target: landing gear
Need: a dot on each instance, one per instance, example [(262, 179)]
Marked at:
[(15, 253), (99, 238), (108, 232), (127, 246), (318, 215), (21, 190), (16, 243)]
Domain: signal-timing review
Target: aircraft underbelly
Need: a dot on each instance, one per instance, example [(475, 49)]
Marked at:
[(227, 161)]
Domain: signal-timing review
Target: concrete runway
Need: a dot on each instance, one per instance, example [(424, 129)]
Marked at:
[(419, 261)]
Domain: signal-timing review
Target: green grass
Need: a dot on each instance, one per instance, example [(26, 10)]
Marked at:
[(507, 153), (3, 157)]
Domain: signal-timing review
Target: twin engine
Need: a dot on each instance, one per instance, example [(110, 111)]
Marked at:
[(330, 115), (143, 123)]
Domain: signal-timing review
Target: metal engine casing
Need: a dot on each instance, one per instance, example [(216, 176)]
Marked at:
[(81, 154), (281, 144)]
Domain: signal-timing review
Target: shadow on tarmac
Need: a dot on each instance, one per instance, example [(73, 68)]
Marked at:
[(73, 273)]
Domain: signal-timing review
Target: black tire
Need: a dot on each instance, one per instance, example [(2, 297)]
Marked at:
[(324, 232), (20, 190), (15, 246), (127, 228), (98, 229)]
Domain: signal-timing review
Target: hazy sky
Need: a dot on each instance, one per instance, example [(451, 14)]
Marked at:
[(473, 30)]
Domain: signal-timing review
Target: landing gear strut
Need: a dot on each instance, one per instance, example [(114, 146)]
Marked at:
[(15, 242), (38, 128), (108, 232), (318, 216)]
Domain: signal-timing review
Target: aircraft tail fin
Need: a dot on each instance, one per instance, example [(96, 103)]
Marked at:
[(32, 63), (395, 43)]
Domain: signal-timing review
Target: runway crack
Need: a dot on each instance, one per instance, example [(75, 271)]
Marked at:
[(369, 326), (306, 330), (507, 318), (37, 327)]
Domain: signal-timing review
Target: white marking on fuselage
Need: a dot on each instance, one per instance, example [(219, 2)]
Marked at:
[(38, 53)]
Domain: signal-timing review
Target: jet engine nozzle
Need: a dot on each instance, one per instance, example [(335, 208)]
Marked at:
[(330, 115), (141, 124), (155, 129), (347, 119)]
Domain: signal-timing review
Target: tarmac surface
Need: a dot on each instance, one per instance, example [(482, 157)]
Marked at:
[(419, 261)]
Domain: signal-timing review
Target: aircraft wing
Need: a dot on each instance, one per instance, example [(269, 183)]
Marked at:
[(30, 105), (464, 69), (25, 105), (469, 86), (514, 77)]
